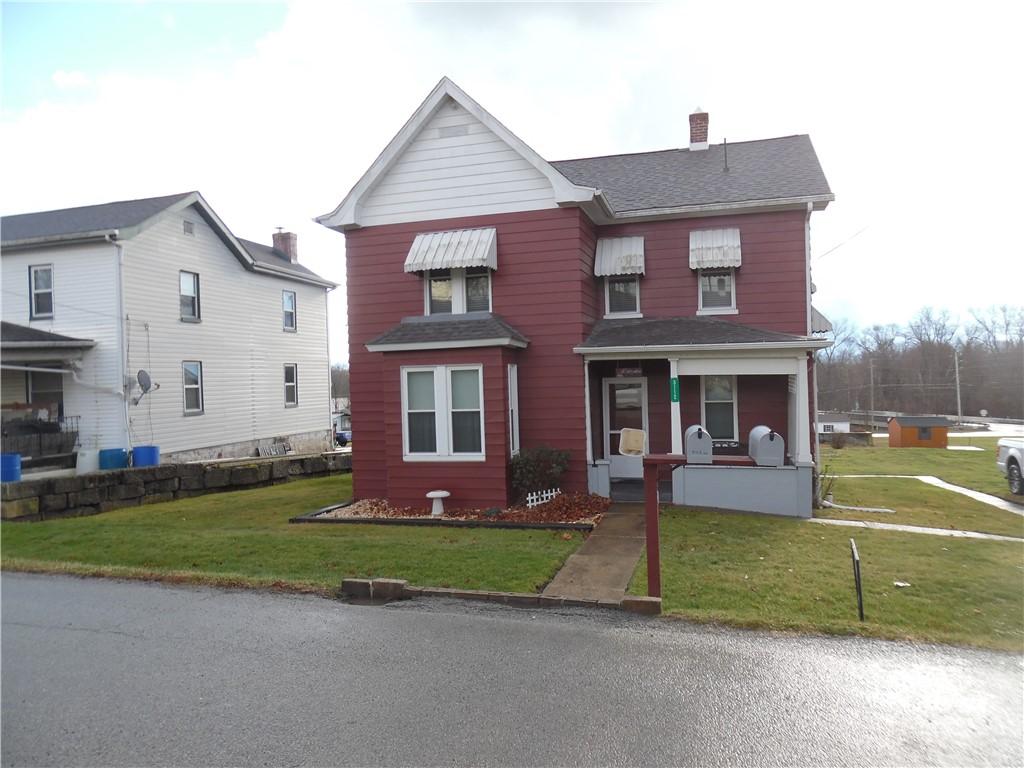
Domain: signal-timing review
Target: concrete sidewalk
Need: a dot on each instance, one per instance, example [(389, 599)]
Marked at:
[(602, 567)]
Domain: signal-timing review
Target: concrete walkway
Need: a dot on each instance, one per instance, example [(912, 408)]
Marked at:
[(602, 567), (913, 529), (984, 498)]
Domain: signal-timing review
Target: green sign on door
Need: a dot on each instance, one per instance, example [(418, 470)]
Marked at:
[(673, 390)]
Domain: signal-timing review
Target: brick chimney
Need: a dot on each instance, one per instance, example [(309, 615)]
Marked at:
[(699, 130), (288, 244)]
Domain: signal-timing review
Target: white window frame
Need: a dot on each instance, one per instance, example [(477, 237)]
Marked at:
[(32, 292), (607, 297), (442, 413), (828, 428), (199, 301), (294, 385), (294, 327), (184, 387), (731, 309), (458, 278), (735, 407), (513, 409)]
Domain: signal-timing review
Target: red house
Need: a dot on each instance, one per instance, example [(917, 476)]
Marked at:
[(498, 300)]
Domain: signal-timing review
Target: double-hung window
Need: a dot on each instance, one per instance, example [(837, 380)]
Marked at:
[(188, 295), (719, 406), (40, 280), (192, 384), (291, 385), (717, 291), (456, 291), (288, 309), (443, 414), (622, 295)]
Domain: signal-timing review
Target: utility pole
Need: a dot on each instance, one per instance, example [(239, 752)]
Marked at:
[(956, 368)]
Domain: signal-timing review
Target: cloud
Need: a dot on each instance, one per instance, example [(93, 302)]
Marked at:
[(68, 80)]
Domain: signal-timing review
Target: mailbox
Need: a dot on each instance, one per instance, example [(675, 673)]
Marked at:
[(766, 446), (697, 445)]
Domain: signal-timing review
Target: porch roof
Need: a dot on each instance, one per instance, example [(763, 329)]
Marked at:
[(14, 336), (681, 333), (472, 329)]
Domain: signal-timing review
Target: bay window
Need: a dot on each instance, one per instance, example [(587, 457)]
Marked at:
[(442, 413)]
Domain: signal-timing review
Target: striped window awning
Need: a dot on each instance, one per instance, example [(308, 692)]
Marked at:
[(619, 256), (456, 248), (714, 248), (819, 323)]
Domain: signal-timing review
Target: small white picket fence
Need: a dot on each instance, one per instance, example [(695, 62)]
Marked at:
[(536, 498)]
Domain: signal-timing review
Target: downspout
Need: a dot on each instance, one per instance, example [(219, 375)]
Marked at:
[(122, 343)]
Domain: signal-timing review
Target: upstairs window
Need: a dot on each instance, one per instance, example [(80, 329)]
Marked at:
[(188, 295), (456, 291), (291, 385), (288, 309), (192, 385), (40, 279), (188, 227), (622, 296), (717, 291)]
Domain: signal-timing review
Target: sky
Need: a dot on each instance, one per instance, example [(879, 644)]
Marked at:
[(273, 112)]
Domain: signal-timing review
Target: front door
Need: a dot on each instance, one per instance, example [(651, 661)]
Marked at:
[(625, 405)]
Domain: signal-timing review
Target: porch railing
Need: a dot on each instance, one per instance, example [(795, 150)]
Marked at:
[(35, 436)]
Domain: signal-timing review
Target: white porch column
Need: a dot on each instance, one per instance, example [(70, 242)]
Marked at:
[(802, 438), (675, 408)]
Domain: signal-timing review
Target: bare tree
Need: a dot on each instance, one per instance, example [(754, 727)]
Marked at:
[(339, 380)]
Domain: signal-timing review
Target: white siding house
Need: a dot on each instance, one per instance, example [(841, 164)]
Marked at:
[(120, 286)]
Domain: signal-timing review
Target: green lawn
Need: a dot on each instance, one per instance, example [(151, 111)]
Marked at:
[(760, 571), (244, 538), (917, 503), (971, 469)]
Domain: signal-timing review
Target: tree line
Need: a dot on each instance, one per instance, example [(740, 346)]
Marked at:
[(914, 368)]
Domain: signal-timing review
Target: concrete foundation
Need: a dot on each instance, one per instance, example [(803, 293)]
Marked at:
[(301, 443)]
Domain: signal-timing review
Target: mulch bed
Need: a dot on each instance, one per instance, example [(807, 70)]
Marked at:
[(583, 508)]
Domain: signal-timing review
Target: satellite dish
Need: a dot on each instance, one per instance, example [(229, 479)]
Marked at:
[(145, 382)]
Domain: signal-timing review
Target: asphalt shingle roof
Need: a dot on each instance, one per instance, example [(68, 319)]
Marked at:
[(12, 333), (922, 421), (267, 255), (439, 329), (767, 169), (643, 332), (89, 218)]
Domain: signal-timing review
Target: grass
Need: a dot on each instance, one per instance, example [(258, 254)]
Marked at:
[(775, 573), (917, 503), (971, 469), (243, 539)]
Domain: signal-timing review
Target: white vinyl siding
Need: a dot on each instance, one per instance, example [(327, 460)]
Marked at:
[(41, 285), (443, 413), (85, 307), (455, 167), (239, 341)]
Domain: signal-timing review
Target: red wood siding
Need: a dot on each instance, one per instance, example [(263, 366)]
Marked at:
[(771, 288)]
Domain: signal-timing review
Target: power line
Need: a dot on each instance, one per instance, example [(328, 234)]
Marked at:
[(837, 247)]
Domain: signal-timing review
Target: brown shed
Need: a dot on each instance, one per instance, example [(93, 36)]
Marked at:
[(919, 432)]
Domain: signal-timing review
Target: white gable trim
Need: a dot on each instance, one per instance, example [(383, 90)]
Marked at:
[(347, 214)]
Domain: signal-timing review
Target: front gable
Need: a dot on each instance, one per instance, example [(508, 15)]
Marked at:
[(453, 159)]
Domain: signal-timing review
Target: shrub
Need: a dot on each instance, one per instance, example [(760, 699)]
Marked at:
[(839, 440), (538, 469)]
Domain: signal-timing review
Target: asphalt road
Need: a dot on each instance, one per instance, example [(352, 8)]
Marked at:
[(102, 672)]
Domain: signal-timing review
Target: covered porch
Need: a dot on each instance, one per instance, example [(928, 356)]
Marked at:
[(728, 379)]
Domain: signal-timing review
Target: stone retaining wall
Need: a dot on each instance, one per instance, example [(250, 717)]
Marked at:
[(97, 492)]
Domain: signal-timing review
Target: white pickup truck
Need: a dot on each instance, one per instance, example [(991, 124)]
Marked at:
[(1010, 460)]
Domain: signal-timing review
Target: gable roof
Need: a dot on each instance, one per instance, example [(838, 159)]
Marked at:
[(472, 329), (346, 215), (124, 219), (14, 336), (766, 170), (84, 221)]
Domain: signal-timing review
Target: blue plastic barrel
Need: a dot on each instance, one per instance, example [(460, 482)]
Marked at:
[(10, 467), (145, 455), (113, 458)]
